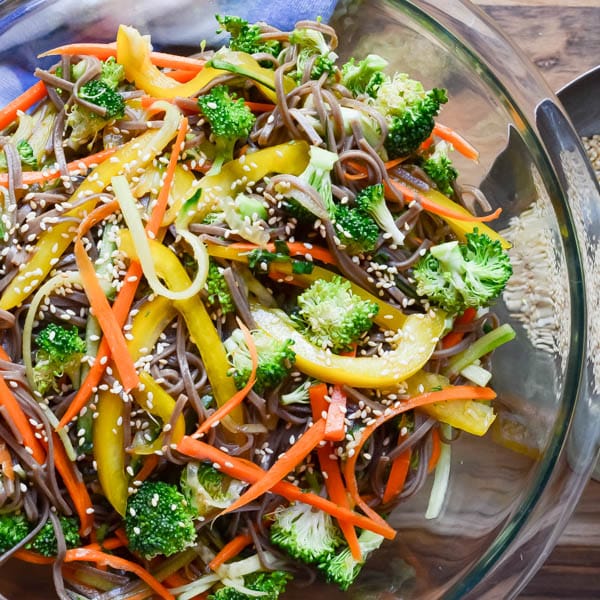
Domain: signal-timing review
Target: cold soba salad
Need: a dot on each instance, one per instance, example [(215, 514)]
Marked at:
[(244, 311)]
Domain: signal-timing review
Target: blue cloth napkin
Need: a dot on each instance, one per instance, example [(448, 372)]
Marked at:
[(38, 25)]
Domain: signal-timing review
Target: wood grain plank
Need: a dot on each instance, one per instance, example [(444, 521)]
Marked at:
[(562, 40)]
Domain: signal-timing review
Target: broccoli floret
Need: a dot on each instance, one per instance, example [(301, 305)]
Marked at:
[(275, 359), (112, 73), (207, 489), (44, 542), (60, 351), (230, 120), (269, 584), (13, 528), (342, 569), (409, 110), (100, 93), (372, 201), (356, 230), (366, 76), (305, 533), (246, 37), (312, 47), (333, 315), (159, 520), (440, 168), (456, 276), (299, 395), (26, 154), (218, 290)]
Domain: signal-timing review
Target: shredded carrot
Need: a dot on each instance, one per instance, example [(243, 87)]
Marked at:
[(230, 550), (6, 464), (108, 544), (33, 557), (454, 337), (330, 468), (426, 144), (283, 465), (147, 468), (335, 424), (259, 107), (215, 418), (459, 392), (176, 580), (109, 324), (245, 470), (74, 167), (390, 164), (397, 476), (436, 448), (3, 354), (75, 486), (158, 212), (442, 211), (23, 102), (19, 420), (459, 142), (181, 75), (104, 51), (125, 297), (115, 562), (295, 248), (120, 534)]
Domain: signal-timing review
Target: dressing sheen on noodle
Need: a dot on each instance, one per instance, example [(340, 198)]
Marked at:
[(244, 313)]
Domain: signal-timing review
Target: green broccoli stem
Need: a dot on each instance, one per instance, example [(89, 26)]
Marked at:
[(484, 345)]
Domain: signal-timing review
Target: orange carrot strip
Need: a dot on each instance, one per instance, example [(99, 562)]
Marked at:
[(109, 544), (454, 337), (435, 450), (3, 354), (230, 550), (295, 248), (101, 558), (23, 102), (52, 173), (245, 470), (259, 107), (397, 476), (335, 424), (459, 142), (390, 164), (102, 311), (75, 486), (158, 212), (6, 464), (282, 466), (330, 466), (33, 557), (147, 468), (215, 418), (459, 392), (176, 580), (125, 297), (181, 75), (435, 208), (20, 421), (426, 144), (104, 51)]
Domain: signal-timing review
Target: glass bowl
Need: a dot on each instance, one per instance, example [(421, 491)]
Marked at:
[(511, 492)]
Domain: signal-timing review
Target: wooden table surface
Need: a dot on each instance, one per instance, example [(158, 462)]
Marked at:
[(562, 37)]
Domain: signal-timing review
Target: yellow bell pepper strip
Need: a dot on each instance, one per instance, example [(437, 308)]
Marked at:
[(134, 53), (387, 317), (461, 228), (199, 323), (236, 175), (418, 338), (244, 65), (472, 416), (109, 451), (53, 242)]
